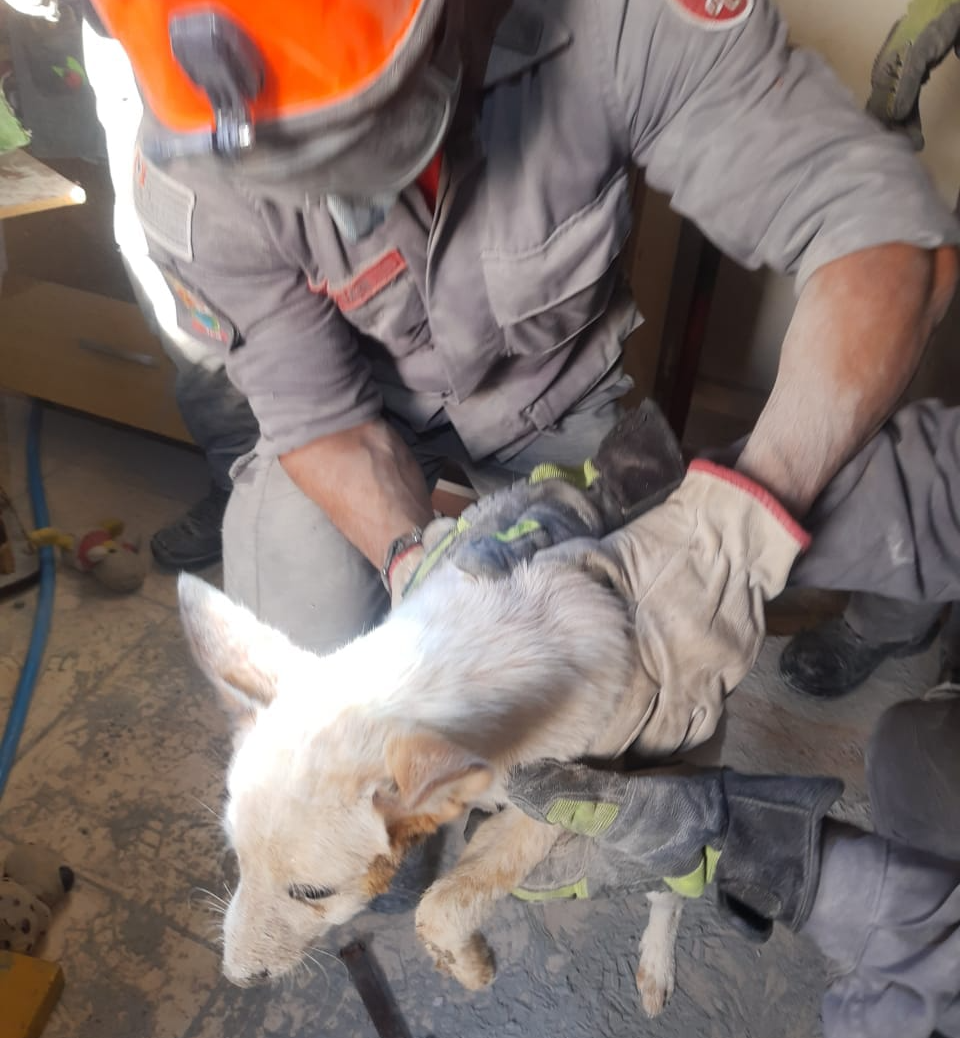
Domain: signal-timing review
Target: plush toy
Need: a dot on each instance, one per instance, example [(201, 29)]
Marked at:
[(117, 564), (33, 883)]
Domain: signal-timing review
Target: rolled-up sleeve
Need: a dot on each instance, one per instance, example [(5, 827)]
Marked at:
[(759, 144), (296, 359), (287, 348)]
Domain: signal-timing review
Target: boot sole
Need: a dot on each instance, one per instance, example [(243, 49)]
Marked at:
[(187, 564)]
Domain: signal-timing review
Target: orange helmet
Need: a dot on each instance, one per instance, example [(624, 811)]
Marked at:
[(310, 82)]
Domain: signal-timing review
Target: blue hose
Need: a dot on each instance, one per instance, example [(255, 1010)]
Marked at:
[(41, 621)]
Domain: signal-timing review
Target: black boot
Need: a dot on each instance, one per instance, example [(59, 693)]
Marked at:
[(831, 660), (195, 540)]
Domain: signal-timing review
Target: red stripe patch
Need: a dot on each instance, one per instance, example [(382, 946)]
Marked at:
[(761, 494), (366, 284)]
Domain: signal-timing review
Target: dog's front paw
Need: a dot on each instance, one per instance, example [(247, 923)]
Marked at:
[(468, 961), (475, 964), (655, 986), (656, 973)]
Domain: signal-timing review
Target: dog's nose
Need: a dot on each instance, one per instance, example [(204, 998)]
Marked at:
[(242, 979)]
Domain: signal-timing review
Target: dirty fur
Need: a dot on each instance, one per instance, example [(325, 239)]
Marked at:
[(343, 761)]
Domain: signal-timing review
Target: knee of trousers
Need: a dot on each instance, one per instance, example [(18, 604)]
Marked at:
[(286, 561), (913, 775)]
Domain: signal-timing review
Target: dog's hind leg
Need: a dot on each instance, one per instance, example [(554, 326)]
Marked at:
[(501, 854), (656, 973)]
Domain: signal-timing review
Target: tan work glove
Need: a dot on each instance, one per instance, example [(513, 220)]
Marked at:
[(697, 569)]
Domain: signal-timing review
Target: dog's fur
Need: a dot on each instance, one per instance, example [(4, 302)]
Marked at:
[(343, 761)]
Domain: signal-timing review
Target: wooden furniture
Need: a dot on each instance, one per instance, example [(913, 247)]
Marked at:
[(70, 330), (28, 186), (687, 312)]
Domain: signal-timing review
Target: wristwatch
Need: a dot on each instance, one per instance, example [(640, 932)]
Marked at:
[(398, 548)]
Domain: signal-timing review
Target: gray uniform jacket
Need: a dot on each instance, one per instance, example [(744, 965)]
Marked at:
[(502, 309)]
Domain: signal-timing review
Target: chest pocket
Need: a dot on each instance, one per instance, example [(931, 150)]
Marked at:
[(382, 301), (544, 296)]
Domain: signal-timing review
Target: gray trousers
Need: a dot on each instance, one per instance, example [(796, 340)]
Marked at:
[(888, 906), (290, 565), (214, 411), (888, 527), (887, 912), (888, 918)]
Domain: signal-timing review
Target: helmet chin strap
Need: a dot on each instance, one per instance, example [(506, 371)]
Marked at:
[(222, 60)]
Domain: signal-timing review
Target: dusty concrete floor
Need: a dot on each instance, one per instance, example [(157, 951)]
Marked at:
[(121, 769)]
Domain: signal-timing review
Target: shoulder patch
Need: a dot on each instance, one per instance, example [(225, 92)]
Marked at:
[(713, 14), (165, 207), (195, 315)]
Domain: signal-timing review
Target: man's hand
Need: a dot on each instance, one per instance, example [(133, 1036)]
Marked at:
[(644, 826), (696, 571), (917, 43), (757, 837), (636, 465), (500, 530)]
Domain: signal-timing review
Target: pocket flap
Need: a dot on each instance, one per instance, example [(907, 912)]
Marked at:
[(575, 256)]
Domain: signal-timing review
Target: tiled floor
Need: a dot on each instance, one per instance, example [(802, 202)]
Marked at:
[(121, 769)]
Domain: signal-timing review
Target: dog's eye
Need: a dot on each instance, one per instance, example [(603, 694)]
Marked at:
[(304, 892)]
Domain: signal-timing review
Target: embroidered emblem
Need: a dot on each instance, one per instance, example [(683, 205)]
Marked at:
[(196, 317), (714, 14)]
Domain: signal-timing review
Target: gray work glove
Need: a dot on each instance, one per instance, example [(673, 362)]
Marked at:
[(917, 43), (499, 531), (696, 571), (756, 837), (637, 464)]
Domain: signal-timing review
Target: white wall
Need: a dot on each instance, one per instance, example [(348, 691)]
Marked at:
[(743, 349)]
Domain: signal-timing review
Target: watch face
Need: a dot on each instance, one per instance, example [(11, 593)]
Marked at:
[(408, 540)]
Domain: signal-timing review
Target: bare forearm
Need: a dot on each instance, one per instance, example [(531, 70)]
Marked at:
[(859, 330), (367, 482)]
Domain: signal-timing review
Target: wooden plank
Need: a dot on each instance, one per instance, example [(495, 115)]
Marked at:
[(28, 186), (29, 991), (87, 352)]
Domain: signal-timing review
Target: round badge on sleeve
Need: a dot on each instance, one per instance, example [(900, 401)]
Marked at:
[(714, 14)]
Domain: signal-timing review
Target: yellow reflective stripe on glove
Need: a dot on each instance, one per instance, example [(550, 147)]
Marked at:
[(585, 818), (694, 883), (581, 477), (435, 554), (518, 530), (573, 891)]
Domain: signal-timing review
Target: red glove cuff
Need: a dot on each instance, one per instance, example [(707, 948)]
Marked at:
[(763, 496)]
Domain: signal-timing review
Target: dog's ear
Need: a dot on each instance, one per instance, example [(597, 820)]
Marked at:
[(430, 776), (241, 656)]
